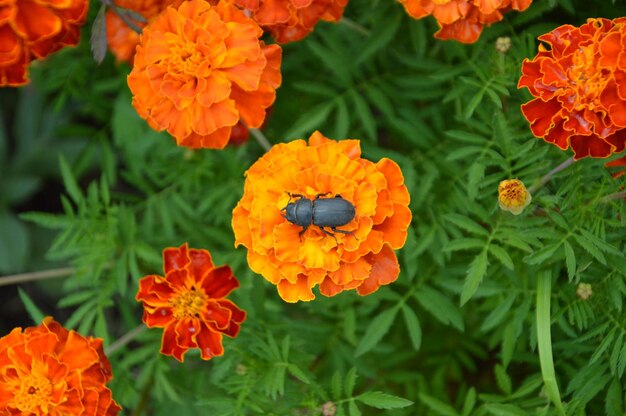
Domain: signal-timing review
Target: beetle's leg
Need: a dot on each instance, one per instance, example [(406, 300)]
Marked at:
[(302, 232), (330, 234), (344, 232), (318, 195)]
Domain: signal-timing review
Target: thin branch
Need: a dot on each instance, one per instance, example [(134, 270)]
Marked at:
[(260, 137), (546, 178), (611, 197), (355, 26), (33, 276), (124, 339)]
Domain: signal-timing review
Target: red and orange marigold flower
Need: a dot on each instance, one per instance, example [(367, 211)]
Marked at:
[(579, 84), (362, 260), (200, 69), (463, 20), (33, 29), (48, 370), (292, 20), (190, 303)]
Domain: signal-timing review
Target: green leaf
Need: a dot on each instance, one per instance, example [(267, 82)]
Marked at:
[(381, 400), (350, 382), (353, 409), (335, 386), (437, 405), (475, 273), (590, 248), (376, 331), (381, 36), (33, 311), (440, 307), (503, 379), (297, 373), (413, 326), (570, 260), (310, 120), (502, 255), (496, 316), (365, 114), (470, 402), (504, 410), (466, 224), (464, 244), (69, 181), (14, 243), (613, 403)]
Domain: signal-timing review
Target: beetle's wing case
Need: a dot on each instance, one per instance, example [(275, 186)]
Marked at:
[(332, 212)]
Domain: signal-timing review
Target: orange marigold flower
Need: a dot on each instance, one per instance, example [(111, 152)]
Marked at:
[(513, 196), (362, 260), (121, 39), (292, 20), (619, 163), (200, 69), (462, 20), (190, 303), (33, 29), (579, 81), (48, 370)]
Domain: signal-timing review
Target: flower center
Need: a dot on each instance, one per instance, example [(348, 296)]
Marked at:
[(34, 393), (588, 79), (188, 304), (185, 58)]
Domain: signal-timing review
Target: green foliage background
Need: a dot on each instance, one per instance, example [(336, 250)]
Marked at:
[(484, 318)]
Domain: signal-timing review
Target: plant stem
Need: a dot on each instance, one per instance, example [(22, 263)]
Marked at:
[(544, 339), (550, 174), (611, 197), (124, 339), (260, 137), (353, 25), (33, 276)]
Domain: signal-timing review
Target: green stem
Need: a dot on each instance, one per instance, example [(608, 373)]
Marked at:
[(124, 339), (544, 340), (260, 137), (546, 178)]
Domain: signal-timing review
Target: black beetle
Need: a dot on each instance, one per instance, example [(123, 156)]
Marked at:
[(322, 212)]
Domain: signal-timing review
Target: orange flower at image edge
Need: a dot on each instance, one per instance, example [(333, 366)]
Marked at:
[(32, 30), (200, 69), (292, 20), (579, 81), (48, 370), (190, 303), (463, 20), (361, 260)]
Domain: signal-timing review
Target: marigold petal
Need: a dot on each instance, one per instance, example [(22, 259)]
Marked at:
[(219, 282), (294, 292), (169, 346), (210, 344), (385, 270)]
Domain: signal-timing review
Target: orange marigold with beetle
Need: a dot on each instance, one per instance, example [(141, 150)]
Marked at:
[(190, 303), (49, 370), (292, 20), (463, 20), (579, 84), (33, 29), (200, 69), (359, 256)]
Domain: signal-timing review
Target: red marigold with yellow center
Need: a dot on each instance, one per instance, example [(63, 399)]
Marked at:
[(33, 29), (121, 39), (462, 20), (292, 20), (579, 82), (362, 260), (200, 69), (190, 303), (47, 370)]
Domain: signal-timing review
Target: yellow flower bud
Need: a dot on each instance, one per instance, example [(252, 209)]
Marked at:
[(503, 44), (584, 291), (513, 196)]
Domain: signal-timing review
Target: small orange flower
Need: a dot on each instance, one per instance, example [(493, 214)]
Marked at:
[(200, 69), (190, 303), (123, 40), (362, 260), (463, 20), (48, 370), (33, 29), (292, 20), (579, 82), (513, 196), (620, 164)]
